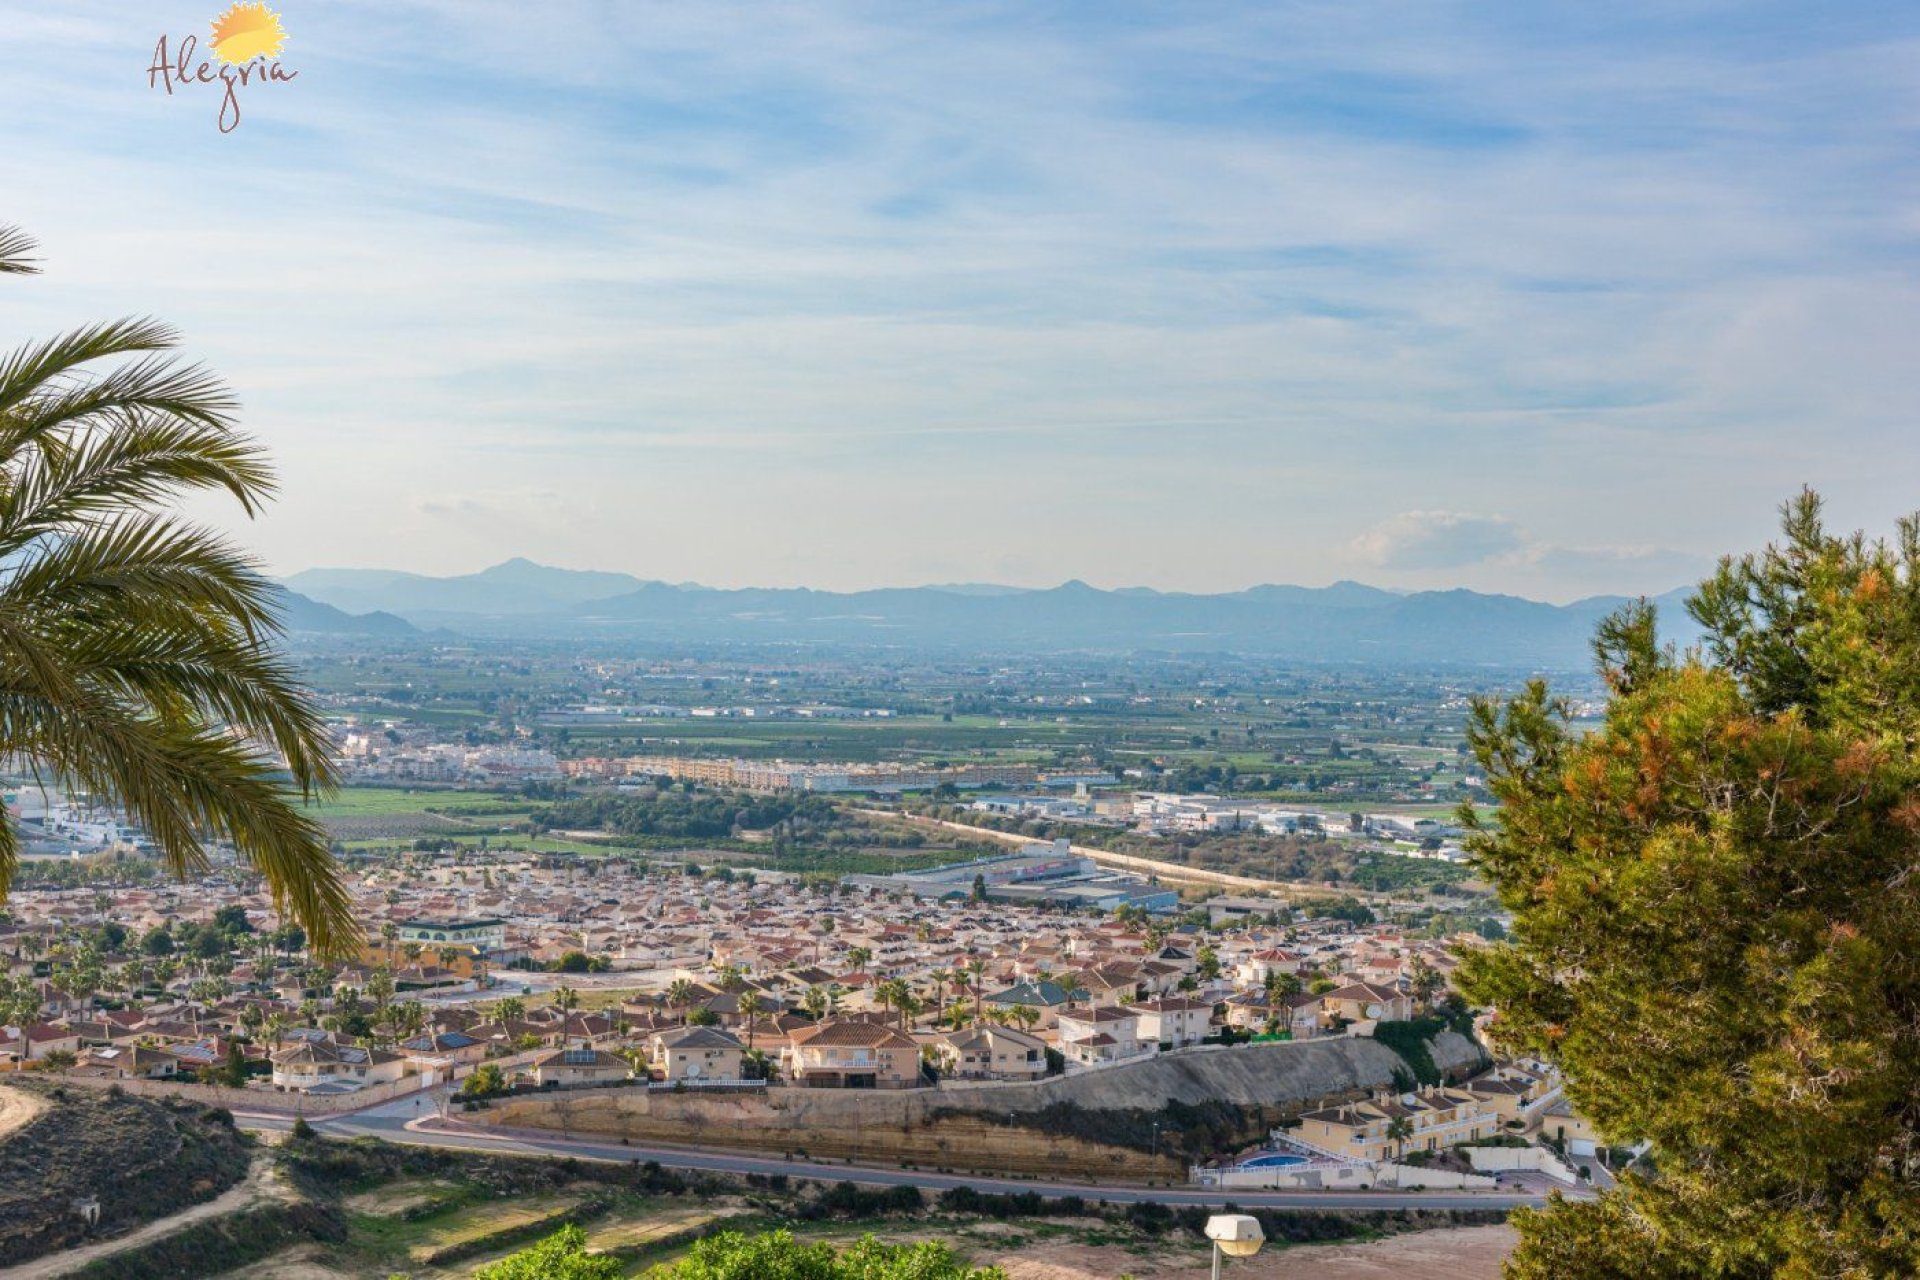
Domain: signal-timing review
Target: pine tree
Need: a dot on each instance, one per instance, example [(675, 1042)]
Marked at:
[(1716, 900)]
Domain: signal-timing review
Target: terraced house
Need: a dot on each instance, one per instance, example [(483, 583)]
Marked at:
[(1435, 1118)]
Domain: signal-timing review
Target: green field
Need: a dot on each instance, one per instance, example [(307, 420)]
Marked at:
[(385, 802)]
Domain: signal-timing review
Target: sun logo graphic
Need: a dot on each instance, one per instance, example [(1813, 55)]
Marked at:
[(246, 45), (247, 31)]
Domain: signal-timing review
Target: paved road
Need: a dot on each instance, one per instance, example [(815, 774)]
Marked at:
[(390, 1121)]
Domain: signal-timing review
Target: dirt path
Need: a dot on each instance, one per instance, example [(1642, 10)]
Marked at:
[(18, 1109), (260, 1185)]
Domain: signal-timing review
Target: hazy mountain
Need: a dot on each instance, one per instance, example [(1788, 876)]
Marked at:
[(1347, 621), (981, 588), (303, 614), (514, 587)]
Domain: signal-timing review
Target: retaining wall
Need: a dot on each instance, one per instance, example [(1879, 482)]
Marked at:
[(978, 1126)]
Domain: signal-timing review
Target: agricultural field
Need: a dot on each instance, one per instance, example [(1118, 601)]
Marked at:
[(1333, 739)]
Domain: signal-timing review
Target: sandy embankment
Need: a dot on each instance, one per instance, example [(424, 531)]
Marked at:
[(1465, 1253)]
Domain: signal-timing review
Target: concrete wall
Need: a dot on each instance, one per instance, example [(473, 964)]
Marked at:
[(831, 1124), (1357, 1178), (1531, 1159)]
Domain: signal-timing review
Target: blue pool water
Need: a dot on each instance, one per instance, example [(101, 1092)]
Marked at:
[(1272, 1162)]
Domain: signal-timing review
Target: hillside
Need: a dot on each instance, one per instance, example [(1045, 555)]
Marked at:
[(140, 1159)]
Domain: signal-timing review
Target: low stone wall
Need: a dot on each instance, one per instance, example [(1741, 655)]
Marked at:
[(1346, 1178)]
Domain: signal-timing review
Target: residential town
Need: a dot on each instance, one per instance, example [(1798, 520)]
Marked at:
[(499, 972)]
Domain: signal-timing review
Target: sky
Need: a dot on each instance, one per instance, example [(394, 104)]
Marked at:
[(1552, 299)]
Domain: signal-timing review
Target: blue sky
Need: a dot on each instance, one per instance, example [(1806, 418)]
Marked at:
[(1553, 299)]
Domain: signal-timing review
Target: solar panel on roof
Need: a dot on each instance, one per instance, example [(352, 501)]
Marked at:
[(578, 1057)]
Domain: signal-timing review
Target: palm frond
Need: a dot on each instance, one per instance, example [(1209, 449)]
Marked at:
[(16, 252), (156, 384), (145, 458), (142, 563), (188, 783), (215, 675), (9, 848), (137, 654), (38, 367)]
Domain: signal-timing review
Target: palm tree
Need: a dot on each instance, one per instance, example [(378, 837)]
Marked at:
[(380, 990), (1426, 982), (680, 996), (942, 979), (893, 994), (976, 969), (749, 1010), (567, 998), (1399, 1129), (412, 1018), (252, 1018), (137, 650), (512, 1009), (859, 957)]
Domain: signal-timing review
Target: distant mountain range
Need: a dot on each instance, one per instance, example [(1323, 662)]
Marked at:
[(1347, 621), (515, 587), (301, 613)]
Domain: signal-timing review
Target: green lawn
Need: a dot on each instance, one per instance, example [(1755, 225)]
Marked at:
[(386, 802)]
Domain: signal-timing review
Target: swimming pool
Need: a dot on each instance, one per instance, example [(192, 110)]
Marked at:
[(1275, 1161)]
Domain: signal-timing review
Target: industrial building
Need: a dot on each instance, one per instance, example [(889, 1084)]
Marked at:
[(1037, 874)]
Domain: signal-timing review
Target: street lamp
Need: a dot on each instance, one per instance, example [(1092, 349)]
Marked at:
[(1235, 1234)]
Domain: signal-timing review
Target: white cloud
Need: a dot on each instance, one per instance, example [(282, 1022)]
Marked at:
[(794, 277), (1438, 540)]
